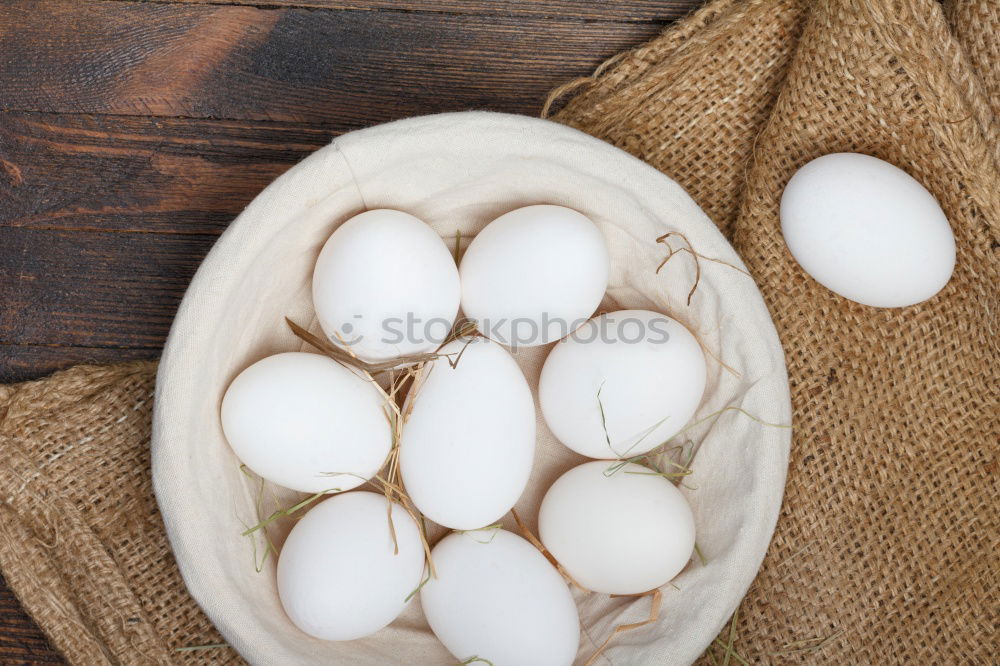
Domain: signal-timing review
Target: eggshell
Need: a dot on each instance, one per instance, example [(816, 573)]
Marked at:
[(534, 274), (305, 422), (626, 532), (386, 285), (338, 575), (469, 442), (866, 230), (635, 377), (497, 598)]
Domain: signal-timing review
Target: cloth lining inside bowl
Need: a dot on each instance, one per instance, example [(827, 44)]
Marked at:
[(457, 172)]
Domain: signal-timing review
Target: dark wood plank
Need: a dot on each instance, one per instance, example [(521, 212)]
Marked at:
[(21, 641), (122, 173), (605, 10), (93, 289), (21, 362), (337, 67)]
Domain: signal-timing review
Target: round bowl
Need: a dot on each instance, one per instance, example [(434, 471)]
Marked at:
[(457, 172)]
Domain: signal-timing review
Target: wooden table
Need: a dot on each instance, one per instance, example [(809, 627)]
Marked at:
[(132, 133)]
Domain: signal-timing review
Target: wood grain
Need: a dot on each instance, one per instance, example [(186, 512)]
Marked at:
[(623, 11), (20, 640), (69, 172), (336, 67), (165, 187), (25, 361), (132, 174), (94, 289)]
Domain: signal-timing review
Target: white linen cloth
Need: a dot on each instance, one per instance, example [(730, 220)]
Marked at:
[(457, 172)]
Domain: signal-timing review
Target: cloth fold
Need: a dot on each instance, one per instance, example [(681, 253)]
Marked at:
[(886, 548), (81, 540)]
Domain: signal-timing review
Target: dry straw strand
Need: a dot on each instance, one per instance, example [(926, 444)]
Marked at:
[(345, 357), (727, 646), (607, 436), (419, 587), (287, 512), (494, 530), (807, 645), (696, 256), (684, 469), (536, 542), (269, 547), (656, 599)]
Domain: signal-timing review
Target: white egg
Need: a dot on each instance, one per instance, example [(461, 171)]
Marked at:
[(468, 444), (386, 285), (866, 230), (496, 598), (622, 384), (534, 274), (306, 422), (339, 577), (625, 532)]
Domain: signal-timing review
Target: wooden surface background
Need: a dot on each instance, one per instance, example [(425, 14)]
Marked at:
[(131, 133)]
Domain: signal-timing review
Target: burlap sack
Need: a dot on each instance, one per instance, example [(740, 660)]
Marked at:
[(886, 548), (81, 540)]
